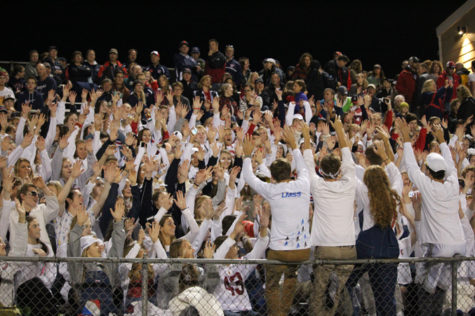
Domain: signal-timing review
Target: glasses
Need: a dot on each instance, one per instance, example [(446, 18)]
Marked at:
[(247, 90), (33, 193)]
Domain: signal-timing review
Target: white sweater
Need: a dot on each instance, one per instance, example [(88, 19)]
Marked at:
[(289, 202), (333, 223), (440, 223)]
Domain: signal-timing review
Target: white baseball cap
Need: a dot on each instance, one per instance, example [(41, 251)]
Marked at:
[(298, 117), (87, 241), (436, 162)]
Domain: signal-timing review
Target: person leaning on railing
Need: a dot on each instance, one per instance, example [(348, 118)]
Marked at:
[(441, 233), (379, 241), (290, 236), (333, 228)]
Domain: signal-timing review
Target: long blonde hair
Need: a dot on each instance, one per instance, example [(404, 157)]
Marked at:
[(382, 199)]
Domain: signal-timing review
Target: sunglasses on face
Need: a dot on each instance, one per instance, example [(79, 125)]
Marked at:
[(33, 193)]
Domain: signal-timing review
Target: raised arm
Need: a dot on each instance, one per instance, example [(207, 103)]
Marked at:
[(259, 186), (413, 171), (444, 149)]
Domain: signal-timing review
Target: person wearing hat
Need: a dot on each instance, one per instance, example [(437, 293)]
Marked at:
[(110, 68), (57, 69), (270, 67), (341, 73), (195, 54), (182, 60), (156, 70), (96, 281), (440, 233), (449, 75), (9, 103), (406, 81)]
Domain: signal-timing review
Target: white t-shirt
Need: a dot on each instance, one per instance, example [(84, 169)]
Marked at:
[(289, 202), (333, 223)]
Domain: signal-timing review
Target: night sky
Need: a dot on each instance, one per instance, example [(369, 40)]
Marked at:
[(384, 32)]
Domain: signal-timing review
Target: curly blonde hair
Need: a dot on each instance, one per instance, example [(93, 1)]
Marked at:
[(382, 199)]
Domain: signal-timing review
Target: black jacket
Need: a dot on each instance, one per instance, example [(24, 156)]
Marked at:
[(317, 82)]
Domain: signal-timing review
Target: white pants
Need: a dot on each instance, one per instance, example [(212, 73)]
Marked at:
[(432, 275)]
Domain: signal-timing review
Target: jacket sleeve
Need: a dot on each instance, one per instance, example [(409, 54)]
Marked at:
[(146, 202), (134, 211), (57, 161), (106, 216), (118, 239), (171, 177)]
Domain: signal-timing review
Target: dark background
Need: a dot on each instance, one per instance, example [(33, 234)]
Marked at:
[(384, 32)]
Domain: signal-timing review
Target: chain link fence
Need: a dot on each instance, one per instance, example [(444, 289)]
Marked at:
[(89, 286)]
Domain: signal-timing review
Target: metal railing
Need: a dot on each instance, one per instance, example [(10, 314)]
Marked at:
[(21, 269)]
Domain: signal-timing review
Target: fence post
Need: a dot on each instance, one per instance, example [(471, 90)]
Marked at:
[(454, 288), (144, 289)]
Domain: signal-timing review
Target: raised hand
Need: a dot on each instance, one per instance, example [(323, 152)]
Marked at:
[(215, 105), (165, 200), (27, 140), (39, 183), (239, 227), (248, 145), (289, 137), (40, 143), (154, 231), (77, 169), (380, 150), (82, 215), (180, 200), (208, 251), (21, 211), (119, 211)]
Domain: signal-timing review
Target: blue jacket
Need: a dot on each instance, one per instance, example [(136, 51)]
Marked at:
[(46, 85), (157, 71), (35, 99), (234, 68), (181, 62)]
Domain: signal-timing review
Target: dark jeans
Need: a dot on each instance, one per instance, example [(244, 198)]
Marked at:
[(379, 243), (383, 278)]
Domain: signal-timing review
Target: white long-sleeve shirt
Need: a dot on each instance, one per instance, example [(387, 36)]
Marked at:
[(44, 213), (289, 202), (440, 223), (333, 223)]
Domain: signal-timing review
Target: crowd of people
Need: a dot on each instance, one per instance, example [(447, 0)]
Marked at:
[(215, 159)]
